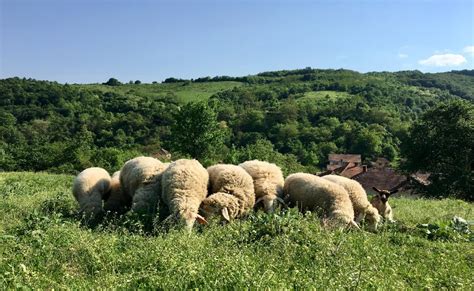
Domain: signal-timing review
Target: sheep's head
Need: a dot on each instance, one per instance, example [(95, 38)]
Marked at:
[(340, 219), (186, 219), (189, 218), (384, 194), (216, 205), (270, 202), (372, 217)]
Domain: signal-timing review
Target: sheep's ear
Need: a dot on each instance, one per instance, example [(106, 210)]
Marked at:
[(225, 214), (200, 219), (377, 190)]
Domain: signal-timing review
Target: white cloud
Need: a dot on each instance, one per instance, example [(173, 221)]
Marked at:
[(402, 56), (469, 50), (443, 60)]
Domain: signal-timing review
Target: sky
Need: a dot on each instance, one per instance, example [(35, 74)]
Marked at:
[(89, 41)]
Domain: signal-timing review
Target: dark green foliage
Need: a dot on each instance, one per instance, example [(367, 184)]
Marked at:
[(196, 132), (113, 82), (442, 142)]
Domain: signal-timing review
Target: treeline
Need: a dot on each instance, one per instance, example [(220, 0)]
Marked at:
[(295, 118)]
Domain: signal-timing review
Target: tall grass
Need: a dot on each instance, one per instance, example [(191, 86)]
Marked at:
[(44, 245)]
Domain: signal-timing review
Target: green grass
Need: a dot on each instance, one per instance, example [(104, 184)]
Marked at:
[(44, 245), (323, 96), (182, 92)]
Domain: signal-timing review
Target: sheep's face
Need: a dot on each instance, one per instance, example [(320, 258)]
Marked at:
[(210, 207), (269, 203), (373, 219), (384, 194)]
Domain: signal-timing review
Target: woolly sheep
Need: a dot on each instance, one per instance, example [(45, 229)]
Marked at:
[(380, 202), (184, 188), (117, 201), (89, 188), (268, 182), (140, 179), (360, 203), (310, 192), (233, 192)]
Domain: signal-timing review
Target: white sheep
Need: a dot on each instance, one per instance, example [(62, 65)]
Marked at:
[(268, 182), (310, 192), (184, 187), (380, 202), (233, 192), (90, 187), (117, 201), (360, 202), (140, 180)]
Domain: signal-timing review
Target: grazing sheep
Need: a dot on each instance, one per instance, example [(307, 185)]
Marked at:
[(184, 188), (360, 203), (268, 182), (380, 202), (89, 188), (140, 179), (310, 192), (234, 194), (117, 201)]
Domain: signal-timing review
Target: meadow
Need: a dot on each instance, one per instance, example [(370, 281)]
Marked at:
[(43, 244), (182, 92)]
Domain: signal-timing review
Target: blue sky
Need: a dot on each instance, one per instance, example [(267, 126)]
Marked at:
[(89, 41)]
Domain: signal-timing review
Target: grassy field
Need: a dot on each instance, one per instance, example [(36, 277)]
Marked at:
[(183, 92), (323, 96), (44, 245)]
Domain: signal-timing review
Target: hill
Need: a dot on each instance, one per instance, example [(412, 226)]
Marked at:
[(44, 245), (294, 118)]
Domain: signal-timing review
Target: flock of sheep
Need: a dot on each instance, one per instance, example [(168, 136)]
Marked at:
[(188, 192)]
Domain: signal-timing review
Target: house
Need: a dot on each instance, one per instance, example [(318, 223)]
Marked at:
[(347, 165), (379, 174)]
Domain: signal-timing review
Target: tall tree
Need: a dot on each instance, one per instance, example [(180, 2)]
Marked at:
[(442, 143), (196, 131)]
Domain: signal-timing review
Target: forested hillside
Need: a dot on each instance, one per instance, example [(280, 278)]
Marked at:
[(294, 118)]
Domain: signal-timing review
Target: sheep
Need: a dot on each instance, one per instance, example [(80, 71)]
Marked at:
[(89, 188), (268, 182), (233, 192), (360, 203), (380, 202), (310, 192), (117, 201), (140, 180), (184, 188)]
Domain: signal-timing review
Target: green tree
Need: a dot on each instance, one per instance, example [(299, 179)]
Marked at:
[(442, 143), (196, 132), (113, 82)]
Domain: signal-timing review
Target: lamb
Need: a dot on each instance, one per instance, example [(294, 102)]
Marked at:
[(268, 182), (233, 192), (89, 188), (140, 180), (184, 188), (117, 201), (380, 202), (360, 203), (310, 192)]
